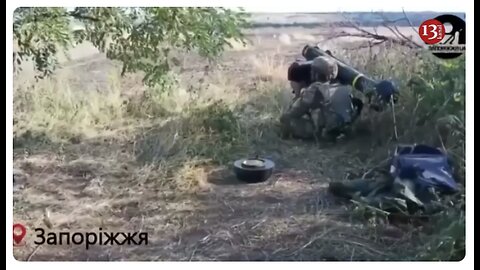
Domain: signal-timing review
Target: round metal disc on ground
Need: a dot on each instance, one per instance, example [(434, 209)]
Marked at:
[(253, 170), (253, 163)]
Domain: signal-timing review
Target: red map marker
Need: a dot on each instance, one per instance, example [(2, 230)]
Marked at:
[(19, 232)]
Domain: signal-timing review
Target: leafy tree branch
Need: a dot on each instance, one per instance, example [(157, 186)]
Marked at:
[(140, 38)]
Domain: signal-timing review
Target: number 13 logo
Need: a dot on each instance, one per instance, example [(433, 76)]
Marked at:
[(432, 31)]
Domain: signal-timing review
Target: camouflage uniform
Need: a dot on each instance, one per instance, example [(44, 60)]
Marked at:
[(320, 110)]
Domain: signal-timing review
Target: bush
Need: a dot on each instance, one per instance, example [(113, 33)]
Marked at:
[(431, 110), (141, 38)]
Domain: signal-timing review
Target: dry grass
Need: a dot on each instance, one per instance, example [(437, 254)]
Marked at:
[(52, 107), (270, 66), (158, 162)]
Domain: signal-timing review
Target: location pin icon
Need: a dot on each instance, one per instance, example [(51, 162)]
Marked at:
[(19, 232)]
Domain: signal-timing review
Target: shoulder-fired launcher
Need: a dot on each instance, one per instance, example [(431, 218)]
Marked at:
[(347, 75)]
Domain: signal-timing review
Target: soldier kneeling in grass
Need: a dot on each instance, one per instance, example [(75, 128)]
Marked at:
[(321, 109)]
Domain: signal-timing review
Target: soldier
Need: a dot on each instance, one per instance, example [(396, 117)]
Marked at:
[(319, 109)]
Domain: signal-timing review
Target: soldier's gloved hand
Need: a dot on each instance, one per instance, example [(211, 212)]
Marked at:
[(385, 90)]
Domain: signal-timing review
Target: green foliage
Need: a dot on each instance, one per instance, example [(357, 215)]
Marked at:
[(447, 242), (40, 33), (141, 38), (223, 134), (217, 117), (440, 85), (432, 102)]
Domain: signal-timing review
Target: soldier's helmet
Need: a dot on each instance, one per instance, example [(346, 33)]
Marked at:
[(324, 69)]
